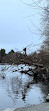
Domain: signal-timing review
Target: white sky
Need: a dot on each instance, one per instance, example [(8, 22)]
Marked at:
[(14, 23)]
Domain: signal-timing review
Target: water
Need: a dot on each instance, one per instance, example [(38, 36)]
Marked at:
[(14, 85)]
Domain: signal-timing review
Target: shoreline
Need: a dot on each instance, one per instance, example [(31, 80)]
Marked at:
[(39, 107)]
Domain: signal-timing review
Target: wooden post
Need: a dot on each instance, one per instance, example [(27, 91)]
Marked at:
[(24, 51), (25, 54)]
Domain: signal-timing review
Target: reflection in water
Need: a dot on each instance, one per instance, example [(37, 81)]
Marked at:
[(18, 90)]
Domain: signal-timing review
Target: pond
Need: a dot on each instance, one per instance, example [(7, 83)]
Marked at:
[(14, 85)]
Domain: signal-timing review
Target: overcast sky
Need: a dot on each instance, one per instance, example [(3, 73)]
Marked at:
[(16, 29)]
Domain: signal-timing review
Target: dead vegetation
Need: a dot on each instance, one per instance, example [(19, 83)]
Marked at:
[(39, 60)]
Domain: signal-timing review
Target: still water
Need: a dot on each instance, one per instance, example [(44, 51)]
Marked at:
[(14, 86)]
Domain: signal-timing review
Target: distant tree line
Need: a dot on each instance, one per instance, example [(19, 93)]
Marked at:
[(3, 52), (11, 57)]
